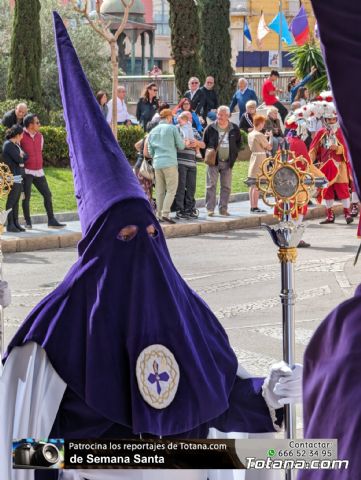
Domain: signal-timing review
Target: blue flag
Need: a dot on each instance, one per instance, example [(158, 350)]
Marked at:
[(247, 32), (275, 25)]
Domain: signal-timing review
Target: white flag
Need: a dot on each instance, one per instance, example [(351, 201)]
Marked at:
[(262, 30)]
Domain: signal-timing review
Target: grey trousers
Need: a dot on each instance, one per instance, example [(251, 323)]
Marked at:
[(225, 172), (166, 183)]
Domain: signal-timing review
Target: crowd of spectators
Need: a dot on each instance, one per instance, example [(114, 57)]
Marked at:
[(175, 140)]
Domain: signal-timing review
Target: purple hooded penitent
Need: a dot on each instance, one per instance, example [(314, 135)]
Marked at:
[(102, 175), (124, 296), (332, 364)]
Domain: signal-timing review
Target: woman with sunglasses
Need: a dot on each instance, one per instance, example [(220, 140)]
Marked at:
[(147, 104), (185, 106)]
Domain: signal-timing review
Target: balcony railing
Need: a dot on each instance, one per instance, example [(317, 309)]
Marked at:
[(167, 90)]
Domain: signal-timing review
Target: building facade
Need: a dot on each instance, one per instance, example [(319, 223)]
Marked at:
[(256, 58)]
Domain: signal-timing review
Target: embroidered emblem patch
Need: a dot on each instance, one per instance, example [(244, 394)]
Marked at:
[(157, 374)]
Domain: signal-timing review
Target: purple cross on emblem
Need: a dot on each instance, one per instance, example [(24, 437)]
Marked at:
[(157, 377)]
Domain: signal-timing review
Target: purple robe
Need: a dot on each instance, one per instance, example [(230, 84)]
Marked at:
[(123, 295), (332, 381)]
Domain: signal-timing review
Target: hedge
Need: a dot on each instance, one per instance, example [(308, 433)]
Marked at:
[(33, 107), (56, 153)]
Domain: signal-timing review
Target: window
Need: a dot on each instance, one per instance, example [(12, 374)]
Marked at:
[(239, 6), (161, 17), (293, 7)]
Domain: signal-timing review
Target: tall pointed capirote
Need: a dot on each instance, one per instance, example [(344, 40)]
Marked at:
[(102, 174)]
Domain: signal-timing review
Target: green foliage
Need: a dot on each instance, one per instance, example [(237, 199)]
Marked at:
[(56, 152), (184, 25), (127, 137), (215, 46), (56, 118), (33, 107), (5, 37), (25, 52), (92, 50), (303, 58)]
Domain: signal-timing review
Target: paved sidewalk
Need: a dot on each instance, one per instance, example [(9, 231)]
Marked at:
[(41, 237)]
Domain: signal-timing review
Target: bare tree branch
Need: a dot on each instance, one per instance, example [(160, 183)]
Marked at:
[(102, 27), (127, 7), (128, 4)]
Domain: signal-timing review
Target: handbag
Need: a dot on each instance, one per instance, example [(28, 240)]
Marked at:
[(210, 156), (146, 170)]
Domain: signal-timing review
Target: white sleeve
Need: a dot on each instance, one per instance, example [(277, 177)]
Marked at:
[(128, 117), (30, 395), (109, 113)]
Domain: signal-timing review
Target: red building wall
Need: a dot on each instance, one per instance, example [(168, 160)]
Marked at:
[(148, 6)]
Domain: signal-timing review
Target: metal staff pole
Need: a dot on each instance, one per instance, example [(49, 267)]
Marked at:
[(284, 183)]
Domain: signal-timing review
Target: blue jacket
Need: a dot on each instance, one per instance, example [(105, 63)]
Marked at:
[(241, 99), (294, 90)]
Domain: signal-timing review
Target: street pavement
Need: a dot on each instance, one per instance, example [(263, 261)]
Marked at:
[(41, 237), (237, 273)]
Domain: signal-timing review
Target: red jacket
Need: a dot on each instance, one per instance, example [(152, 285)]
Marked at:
[(33, 147), (298, 147)]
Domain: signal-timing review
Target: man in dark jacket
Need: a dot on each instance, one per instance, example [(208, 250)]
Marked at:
[(211, 100), (195, 95), (225, 136), (15, 116)]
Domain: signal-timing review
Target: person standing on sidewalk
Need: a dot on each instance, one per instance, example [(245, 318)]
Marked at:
[(259, 145), (32, 143), (269, 94), (225, 136), (162, 144), (14, 157)]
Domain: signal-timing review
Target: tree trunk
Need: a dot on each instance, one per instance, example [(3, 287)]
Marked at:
[(114, 60)]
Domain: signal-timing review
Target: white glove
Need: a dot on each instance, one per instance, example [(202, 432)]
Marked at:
[(283, 385)]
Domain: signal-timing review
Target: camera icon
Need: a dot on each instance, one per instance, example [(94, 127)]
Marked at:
[(37, 454)]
